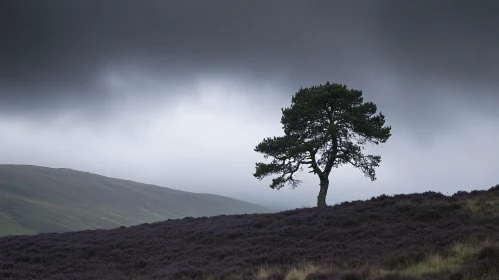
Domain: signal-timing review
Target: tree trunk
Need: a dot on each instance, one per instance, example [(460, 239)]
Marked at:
[(321, 198)]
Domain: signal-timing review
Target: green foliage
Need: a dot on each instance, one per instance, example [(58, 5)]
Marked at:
[(326, 126), (482, 208)]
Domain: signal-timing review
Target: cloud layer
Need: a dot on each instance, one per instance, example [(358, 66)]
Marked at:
[(179, 93)]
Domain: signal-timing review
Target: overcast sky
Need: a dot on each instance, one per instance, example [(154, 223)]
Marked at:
[(178, 93)]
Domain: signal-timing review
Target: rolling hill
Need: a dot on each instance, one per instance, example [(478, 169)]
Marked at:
[(36, 199), (417, 236)]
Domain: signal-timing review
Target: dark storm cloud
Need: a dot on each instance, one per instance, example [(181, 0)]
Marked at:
[(105, 72), (441, 39), (56, 54), (449, 43)]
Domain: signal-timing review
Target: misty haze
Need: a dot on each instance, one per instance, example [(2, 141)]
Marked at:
[(121, 113), (159, 99)]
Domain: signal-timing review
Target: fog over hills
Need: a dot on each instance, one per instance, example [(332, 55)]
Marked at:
[(153, 91), (36, 199)]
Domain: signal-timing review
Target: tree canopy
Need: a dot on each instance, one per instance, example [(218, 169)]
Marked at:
[(326, 126)]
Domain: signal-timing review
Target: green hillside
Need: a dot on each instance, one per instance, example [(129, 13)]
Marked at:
[(37, 199)]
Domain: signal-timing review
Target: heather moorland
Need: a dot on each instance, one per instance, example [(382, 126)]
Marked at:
[(414, 236)]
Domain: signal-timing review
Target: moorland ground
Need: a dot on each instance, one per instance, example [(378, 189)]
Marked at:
[(416, 236)]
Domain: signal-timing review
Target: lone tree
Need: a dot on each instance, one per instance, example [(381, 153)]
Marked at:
[(325, 127)]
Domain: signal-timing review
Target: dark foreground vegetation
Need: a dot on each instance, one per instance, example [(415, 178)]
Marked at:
[(417, 236)]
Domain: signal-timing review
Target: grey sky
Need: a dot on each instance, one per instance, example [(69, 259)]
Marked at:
[(178, 93)]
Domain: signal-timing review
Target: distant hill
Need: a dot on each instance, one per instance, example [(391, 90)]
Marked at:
[(36, 199), (408, 237)]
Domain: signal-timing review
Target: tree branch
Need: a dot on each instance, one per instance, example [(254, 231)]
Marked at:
[(315, 167), (331, 156)]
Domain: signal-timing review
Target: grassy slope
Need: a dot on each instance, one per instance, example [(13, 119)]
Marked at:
[(38, 199)]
